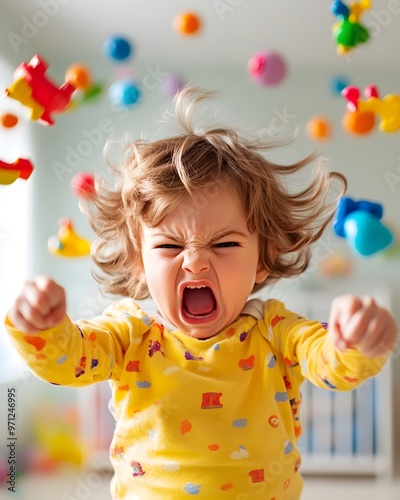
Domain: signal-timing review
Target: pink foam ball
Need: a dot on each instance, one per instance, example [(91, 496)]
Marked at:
[(82, 185), (267, 68), (171, 85)]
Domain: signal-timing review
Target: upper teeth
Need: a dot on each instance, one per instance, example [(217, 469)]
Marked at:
[(193, 286)]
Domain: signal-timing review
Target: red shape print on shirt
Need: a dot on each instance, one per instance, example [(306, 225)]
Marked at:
[(230, 331), (133, 366), (92, 338), (211, 400), (159, 327), (117, 451), (37, 342), (226, 487), (275, 320), (288, 384), (257, 475), (273, 421), (247, 364), (290, 363), (186, 426)]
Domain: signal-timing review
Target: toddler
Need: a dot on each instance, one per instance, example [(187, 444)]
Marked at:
[(205, 393)]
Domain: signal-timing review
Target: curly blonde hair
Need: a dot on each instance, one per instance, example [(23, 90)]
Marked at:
[(154, 176)]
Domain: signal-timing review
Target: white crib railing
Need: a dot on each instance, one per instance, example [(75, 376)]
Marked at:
[(345, 433)]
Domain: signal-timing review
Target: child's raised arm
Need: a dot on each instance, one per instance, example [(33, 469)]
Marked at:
[(40, 305), (360, 323)]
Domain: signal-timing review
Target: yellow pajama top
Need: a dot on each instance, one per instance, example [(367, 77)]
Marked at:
[(214, 419)]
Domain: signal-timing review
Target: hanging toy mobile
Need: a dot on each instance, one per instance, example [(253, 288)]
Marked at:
[(348, 32), (359, 222), (32, 88), (21, 168), (387, 109), (67, 243)]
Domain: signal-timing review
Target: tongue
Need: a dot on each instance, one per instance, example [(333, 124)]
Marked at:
[(198, 301)]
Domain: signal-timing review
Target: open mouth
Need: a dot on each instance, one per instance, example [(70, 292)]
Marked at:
[(198, 302)]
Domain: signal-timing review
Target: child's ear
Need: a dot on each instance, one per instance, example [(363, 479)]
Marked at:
[(263, 272), (141, 275)]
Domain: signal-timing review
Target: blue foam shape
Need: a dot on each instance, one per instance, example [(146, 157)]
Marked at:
[(347, 206), (366, 234)]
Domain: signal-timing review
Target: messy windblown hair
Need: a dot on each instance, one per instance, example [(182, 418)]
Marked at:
[(154, 176)]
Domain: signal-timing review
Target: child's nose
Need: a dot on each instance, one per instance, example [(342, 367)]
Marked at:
[(195, 261)]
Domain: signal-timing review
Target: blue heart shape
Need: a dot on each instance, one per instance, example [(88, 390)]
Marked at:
[(366, 234)]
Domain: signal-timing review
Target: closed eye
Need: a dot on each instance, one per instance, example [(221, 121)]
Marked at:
[(168, 245), (227, 244)]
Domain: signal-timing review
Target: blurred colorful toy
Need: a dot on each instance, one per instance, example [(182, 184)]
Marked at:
[(124, 93), (67, 243), (187, 23), (56, 432), (337, 84), (319, 128), (88, 95), (33, 89), (360, 223), (79, 76), (171, 85), (348, 32), (388, 108), (8, 120), (117, 48), (82, 185), (335, 265), (358, 122), (267, 68), (10, 172)]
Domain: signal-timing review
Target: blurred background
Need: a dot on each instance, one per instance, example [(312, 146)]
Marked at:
[(279, 68)]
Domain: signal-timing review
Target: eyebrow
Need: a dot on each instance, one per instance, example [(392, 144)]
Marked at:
[(229, 232), (217, 236)]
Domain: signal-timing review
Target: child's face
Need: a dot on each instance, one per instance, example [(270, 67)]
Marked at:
[(201, 262)]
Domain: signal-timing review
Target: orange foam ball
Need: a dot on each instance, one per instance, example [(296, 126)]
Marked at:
[(187, 23), (358, 122), (319, 128), (8, 120), (79, 75)]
